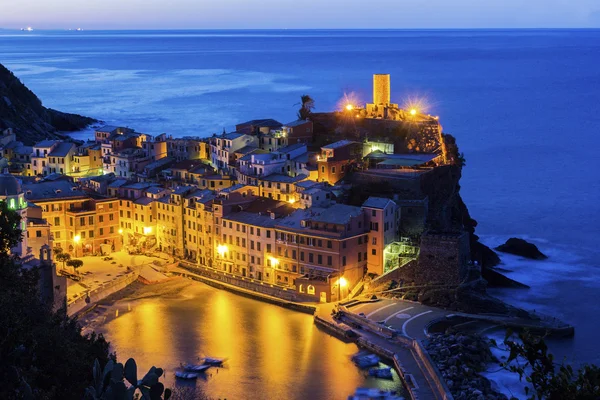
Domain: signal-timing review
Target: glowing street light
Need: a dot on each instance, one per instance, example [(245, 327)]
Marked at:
[(274, 261), (343, 282), (147, 230), (76, 240), (221, 249), (349, 107), (121, 231), (413, 112), (292, 200)]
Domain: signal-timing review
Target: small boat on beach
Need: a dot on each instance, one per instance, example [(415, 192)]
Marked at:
[(366, 360), (186, 375), (374, 394), (384, 373), (196, 367), (214, 361)]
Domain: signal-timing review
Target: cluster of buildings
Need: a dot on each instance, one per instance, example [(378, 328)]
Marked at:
[(259, 202)]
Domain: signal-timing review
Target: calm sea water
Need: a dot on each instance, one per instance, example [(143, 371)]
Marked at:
[(523, 105)]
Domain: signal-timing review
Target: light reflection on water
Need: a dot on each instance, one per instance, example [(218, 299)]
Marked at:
[(273, 353)]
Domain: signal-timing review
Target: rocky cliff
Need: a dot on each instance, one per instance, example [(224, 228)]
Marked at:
[(22, 110)]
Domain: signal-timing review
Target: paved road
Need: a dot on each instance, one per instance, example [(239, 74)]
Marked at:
[(405, 316), (411, 318)]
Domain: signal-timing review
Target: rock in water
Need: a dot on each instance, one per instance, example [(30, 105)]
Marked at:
[(522, 248)]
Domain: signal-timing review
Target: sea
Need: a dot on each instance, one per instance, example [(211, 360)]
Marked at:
[(524, 106)]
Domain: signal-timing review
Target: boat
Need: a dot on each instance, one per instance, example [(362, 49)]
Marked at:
[(28, 29), (185, 375), (374, 394), (384, 373), (366, 361), (196, 367), (214, 361)]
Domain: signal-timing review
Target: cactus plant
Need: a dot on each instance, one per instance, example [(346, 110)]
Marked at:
[(109, 384)]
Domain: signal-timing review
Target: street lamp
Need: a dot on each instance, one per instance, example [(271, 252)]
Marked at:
[(342, 283), (274, 261), (349, 107), (413, 112), (76, 240)]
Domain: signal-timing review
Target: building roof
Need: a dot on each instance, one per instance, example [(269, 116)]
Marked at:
[(232, 135), (246, 150), (144, 201), (186, 164), (138, 185), (51, 190), (291, 147), (298, 122), (339, 214), (45, 143), (24, 150), (117, 183), (338, 144), (9, 185), (267, 122), (62, 149), (107, 128), (307, 184), (376, 202), (103, 178), (155, 189), (284, 178)]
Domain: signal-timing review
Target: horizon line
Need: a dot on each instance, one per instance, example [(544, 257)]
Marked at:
[(305, 29)]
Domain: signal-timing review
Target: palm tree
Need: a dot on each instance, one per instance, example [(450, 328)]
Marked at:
[(307, 106)]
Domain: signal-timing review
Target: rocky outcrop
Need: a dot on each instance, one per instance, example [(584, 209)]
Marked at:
[(460, 358), (22, 110), (522, 248)]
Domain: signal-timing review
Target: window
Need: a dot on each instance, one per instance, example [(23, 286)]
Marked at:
[(101, 231), (258, 246), (268, 234), (257, 231), (344, 244), (329, 260), (56, 221), (310, 289), (374, 241), (359, 256), (319, 259), (38, 233), (373, 213), (360, 240), (301, 256), (252, 230), (91, 220), (374, 252), (343, 261), (329, 245), (293, 254), (101, 218), (268, 247), (311, 257), (252, 245), (333, 170)]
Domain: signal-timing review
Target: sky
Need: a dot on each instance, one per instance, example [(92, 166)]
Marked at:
[(298, 14)]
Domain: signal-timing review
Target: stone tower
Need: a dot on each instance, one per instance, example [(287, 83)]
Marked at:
[(381, 89)]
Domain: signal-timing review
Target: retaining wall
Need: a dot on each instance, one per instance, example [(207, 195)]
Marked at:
[(223, 282), (101, 293)]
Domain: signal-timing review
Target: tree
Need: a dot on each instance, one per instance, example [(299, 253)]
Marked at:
[(9, 227), (530, 359), (64, 258), (44, 355), (75, 263), (308, 104)]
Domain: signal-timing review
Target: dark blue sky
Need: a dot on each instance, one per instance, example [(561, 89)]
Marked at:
[(266, 14)]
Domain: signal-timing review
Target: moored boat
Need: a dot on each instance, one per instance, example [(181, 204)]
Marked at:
[(384, 373), (186, 375), (374, 394), (214, 361), (366, 361), (196, 367)]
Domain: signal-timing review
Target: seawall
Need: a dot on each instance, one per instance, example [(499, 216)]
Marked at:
[(304, 308)]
